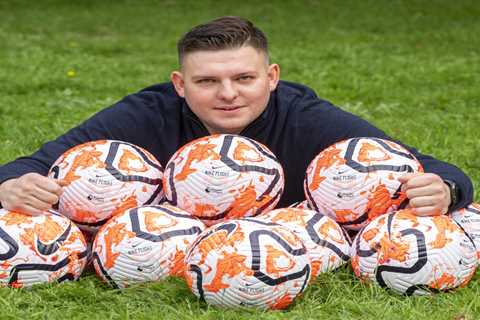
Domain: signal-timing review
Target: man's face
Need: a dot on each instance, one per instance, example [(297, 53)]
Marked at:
[(226, 89)]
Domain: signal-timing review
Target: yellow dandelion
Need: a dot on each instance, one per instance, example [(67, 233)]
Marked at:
[(71, 73)]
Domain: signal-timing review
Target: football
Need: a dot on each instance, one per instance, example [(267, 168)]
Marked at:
[(223, 177), (327, 244), (248, 263), (414, 255), (300, 205), (103, 178), (469, 219), (355, 180), (144, 244), (39, 249)]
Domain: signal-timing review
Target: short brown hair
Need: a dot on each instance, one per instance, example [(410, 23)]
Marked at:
[(222, 33)]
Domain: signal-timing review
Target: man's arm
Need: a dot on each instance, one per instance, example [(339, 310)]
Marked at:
[(30, 193), (429, 192), (23, 183)]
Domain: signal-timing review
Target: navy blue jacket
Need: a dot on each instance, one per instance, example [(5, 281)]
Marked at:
[(296, 126)]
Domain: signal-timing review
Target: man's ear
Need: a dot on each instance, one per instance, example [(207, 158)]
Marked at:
[(273, 76), (178, 83)]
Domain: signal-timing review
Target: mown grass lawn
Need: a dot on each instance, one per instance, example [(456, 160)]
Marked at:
[(410, 67)]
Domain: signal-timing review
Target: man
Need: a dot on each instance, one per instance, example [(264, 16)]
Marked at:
[(226, 84)]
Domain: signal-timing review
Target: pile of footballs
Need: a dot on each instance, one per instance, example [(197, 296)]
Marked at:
[(210, 217)]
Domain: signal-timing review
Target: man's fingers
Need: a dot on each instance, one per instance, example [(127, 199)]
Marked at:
[(428, 206), (62, 182), (26, 209), (418, 182), (427, 211), (46, 192), (45, 196), (424, 191), (404, 180), (31, 193), (50, 185), (37, 204), (406, 177), (418, 202)]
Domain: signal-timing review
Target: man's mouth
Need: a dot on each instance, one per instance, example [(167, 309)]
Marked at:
[(228, 108)]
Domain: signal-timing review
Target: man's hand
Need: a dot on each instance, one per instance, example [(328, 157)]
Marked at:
[(427, 193), (31, 193)]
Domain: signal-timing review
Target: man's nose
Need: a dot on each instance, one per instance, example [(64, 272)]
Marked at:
[(227, 91)]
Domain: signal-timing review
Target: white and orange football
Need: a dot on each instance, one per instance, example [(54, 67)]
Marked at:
[(223, 177), (469, 219), (39, 249), (414, 255), (144, 244), (300, 205), (356, 180), (106, 177), (248, 263), (327, 244)]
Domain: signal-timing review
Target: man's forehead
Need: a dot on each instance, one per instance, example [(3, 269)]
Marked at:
[(242, 58)]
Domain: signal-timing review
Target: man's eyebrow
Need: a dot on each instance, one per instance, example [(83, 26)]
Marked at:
[(196, 77), (247, 73), (200, 76)]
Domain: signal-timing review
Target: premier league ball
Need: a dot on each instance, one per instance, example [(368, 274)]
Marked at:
[(469, 219), (248, 263), (223, 177), (300, 205), (327, 244), (39, 249), (414, 255), (106, 177), (144, 244), (356, 180)]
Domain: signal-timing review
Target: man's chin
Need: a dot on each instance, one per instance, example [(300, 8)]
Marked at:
[(225, 130)]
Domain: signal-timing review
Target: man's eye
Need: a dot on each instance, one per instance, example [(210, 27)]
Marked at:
[(206, 81), (244, 78)]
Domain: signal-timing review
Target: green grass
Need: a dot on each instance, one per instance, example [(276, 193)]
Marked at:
[(410, 67)]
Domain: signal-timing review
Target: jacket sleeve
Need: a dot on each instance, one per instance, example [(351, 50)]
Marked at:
[(122, 121), (340, 125), (445, 170)]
